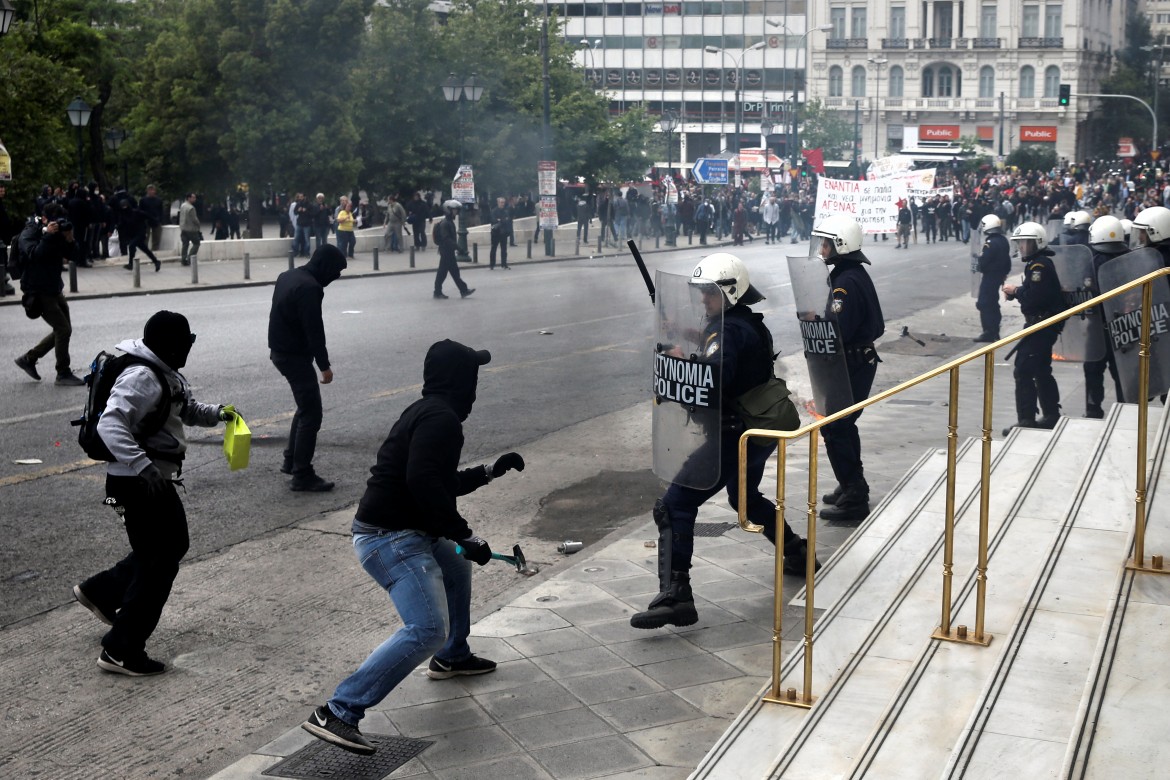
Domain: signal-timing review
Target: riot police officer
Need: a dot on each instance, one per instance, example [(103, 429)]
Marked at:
[(1107, 240), (1040, 297), (738, 338), (1152, 229), (854, 302), (995, 263), (1076, 228)]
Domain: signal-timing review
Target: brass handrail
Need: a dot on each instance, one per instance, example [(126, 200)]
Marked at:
[(805, 698)]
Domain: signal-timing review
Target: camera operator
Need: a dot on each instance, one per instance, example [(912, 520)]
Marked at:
[(47, 243)]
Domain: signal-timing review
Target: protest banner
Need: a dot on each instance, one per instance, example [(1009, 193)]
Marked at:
[(872, 203)]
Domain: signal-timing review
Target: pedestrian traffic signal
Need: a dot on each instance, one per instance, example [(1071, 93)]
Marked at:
[(1065, 94)]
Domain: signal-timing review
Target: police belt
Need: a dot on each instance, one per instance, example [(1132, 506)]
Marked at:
[(1032, 319), (857, 351)]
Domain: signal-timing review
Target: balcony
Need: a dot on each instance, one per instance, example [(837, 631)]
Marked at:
[(919, 43), (847, 43), (940, 43), (1041, 43), (986, 43), (895, 43)]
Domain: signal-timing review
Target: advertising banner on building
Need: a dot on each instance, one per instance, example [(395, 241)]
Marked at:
[(1043, 134), (546, 177), (874, 204), (463, 185)]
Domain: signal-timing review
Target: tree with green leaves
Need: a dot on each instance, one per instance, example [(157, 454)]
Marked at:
[(822, 128)]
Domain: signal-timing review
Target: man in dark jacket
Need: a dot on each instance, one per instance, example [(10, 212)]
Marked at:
[(501, 217), (135, 226), (447, 239), (47, 244), (1040, 298), (152, 206), (404, 534), (296, 337), (995, 263)]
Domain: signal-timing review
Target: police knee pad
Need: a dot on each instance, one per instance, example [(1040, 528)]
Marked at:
[(661, 515)]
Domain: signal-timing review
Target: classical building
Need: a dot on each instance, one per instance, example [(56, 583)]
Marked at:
[(922, 75)]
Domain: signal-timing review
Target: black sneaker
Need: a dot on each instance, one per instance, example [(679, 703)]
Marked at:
[(442, 670), (286, 467), (469, 290), (440, 297), (28, 366), (323, 724), (97, 611), (313, 484), (135, 666), (69, 379)]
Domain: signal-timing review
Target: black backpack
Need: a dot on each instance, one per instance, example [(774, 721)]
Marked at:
[(103, 372)]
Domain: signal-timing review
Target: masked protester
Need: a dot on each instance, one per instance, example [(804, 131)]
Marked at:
[(405, 534), (141, 481)]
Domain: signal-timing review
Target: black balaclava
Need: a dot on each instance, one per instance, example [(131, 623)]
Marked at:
[(326, 264), (451, 370), (169, 336)]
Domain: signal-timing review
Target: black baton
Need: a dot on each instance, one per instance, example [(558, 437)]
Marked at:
[(642, 267)]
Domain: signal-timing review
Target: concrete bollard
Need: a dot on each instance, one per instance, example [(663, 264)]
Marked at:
[(376, 263), (247, 266), (137, 273), (72, 276), (412, 257), (194, 269)]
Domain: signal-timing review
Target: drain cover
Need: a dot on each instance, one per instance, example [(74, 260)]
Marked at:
[(322, 760), (713, 529)]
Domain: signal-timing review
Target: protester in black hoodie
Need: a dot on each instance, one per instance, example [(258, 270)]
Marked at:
[(405, 531), (296, 337)]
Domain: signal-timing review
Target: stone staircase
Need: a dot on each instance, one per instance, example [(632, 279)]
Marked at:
[(1074, 681)]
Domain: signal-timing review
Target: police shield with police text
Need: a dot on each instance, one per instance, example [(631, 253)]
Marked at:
[(977, 243), (820, 333), (1082, 339), (687, 370), (1123, 317)]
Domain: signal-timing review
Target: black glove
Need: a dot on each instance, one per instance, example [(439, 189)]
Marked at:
[(227, 413), (155, 481), (476, 550), (506, 462)]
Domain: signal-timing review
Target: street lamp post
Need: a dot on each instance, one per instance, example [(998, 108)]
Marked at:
[(79, 112), (461, 92), (589, 46), (796, 85), (878, 63), (738, 63), (668, 122), (114, 138), (7, 13)]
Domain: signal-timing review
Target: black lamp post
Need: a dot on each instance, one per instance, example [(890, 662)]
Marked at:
[(79, 112), (738, 81), (461, 92), (668, 122), (114, 138)]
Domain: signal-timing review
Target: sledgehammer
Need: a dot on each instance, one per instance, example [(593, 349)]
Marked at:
[(516, 559)]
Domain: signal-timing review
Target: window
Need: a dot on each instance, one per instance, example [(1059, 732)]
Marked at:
[(941, 81), (928, 82), (943, 16), (1051, 81), (835, 78), (1052, 21), (858, 82), (897, 21), (1027, 81), (986, 81), (987, 22), (945, 82), (857, 22), (837, 19), (1030, 22), (896, 81)]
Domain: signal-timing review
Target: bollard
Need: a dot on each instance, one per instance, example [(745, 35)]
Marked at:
[(412, 257), (655, 240), (530, 249), (137, 273), (475, 253), (72, 276), (376, 259), (291, 258), (577, 251), (551, 244), (247, 266), (194, 269), (690, 238), (600, 238)]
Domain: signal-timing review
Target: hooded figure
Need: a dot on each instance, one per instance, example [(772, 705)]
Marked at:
[(296, 337), (404, 534)]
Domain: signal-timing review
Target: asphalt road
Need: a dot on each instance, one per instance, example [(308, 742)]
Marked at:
[(570, 342)]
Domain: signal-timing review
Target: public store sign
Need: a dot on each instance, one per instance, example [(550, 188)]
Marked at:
[(938, 132), (463, 185), (1038, 133)]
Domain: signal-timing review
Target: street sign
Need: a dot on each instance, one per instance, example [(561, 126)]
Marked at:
[(546, 177), (710, 170), (463, 185), (548, 212)]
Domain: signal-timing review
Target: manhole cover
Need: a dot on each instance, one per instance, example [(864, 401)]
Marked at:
[(322, 760), (713, 529)]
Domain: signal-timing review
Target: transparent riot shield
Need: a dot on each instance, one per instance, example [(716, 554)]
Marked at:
[(977, 239), (1123, 316), (1083, 337), (687, 378), (821, 337), (1052, 230)]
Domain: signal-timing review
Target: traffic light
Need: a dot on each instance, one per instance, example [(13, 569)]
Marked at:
[(1065, 94)]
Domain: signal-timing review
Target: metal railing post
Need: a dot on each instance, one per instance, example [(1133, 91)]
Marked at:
[(1139, 534)]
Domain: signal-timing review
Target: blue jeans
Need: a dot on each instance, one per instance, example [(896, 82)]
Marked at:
[(301, 240), (430, 586)]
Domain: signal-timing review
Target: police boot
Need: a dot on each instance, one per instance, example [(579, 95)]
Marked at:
[(851, 507), (675, 604), (796, 557), (986, 337), (1020, 424), (1094, 412), (831, 499)]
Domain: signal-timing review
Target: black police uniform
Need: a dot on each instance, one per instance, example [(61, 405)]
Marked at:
[(1074, 237), (1040, 297), (995, 263), (855, 304), (1095, 369)]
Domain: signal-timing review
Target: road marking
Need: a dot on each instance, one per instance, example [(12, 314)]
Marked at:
[(70, 412), (554, 328)]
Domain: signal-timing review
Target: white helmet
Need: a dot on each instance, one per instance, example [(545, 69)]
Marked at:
[(1081, 219), (990, 224), (452, 205), (843, 231), (729, 274), (1155, 221), (1031, 231), (1126, 228), (1106, 230)]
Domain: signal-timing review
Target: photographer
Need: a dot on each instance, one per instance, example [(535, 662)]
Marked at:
[(47, 244)]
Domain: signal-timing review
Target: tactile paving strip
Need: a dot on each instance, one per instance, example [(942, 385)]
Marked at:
[(323, 760), (713, 529)]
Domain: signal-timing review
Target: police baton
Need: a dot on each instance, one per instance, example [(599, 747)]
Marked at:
[(642, 267)]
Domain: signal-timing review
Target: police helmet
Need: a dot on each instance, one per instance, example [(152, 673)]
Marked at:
[(1080, 220), (1030, 231), (1155, 223), (1106, 230), (728, 273), (990, 224), (452, 205), (1126, 228), (843, 231)]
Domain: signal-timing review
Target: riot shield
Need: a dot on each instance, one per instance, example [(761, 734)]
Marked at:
[(1052, 229), (976, 252), (823, 348), (1083, 337), (687, 377), (1123, 315)]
